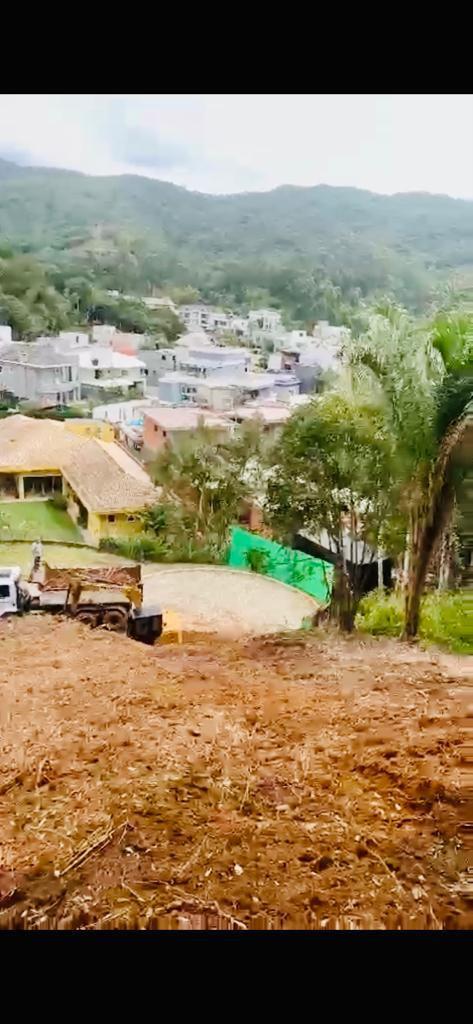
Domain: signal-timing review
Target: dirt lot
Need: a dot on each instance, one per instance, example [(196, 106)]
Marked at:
[(226, 601), (261, 784)]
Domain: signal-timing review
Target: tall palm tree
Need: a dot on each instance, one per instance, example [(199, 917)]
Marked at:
[(423, 377), (452, 337)]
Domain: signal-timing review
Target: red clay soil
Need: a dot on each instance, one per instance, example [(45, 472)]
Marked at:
[(302, 783)]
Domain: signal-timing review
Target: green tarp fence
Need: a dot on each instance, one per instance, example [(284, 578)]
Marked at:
[(250, 551)]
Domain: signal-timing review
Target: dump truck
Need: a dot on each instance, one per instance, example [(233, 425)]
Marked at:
[(109, 596)]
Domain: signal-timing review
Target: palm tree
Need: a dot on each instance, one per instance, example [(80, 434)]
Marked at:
[(452, 337), (423, 378)]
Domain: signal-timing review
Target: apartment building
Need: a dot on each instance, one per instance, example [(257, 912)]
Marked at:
[(37, 372)]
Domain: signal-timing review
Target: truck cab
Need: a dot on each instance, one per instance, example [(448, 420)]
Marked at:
[(10, 593)]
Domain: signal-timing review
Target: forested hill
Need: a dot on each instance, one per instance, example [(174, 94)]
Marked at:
[(293, 245)]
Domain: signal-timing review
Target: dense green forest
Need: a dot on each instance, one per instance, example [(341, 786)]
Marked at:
[(314, 252)]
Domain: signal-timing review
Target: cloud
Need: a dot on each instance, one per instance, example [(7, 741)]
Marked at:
[(236, 143), (16, 154)]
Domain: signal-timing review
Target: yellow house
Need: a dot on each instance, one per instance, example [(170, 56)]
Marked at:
[(104, 498), (106, 488)]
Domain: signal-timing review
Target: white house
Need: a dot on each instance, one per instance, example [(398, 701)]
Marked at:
[(102, 370), (103, 333), (122, 412), (69, 340), (268, 321), (196, 316), (36, 372)]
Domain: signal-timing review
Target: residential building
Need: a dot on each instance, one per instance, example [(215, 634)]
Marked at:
[(162, 303), (71, 340), (102, 334), (270, 415), (127, 342), (196, 316), (328, 334), (268, 321), (158, 361), (104, 491), (224, 392), (166, 427), (151, 301), (206, 360), (121, 412), (286, 386), (102, 370), (176, 388), (36, 372)]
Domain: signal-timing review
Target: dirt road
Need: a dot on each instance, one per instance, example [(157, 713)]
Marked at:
[(228, 601), (313, 783)]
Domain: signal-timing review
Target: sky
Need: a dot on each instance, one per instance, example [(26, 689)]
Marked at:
[(240, 143)]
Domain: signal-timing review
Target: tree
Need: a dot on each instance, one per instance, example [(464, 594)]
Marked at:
[(333, 473), (203, 482), (28, 301), (421, 378)]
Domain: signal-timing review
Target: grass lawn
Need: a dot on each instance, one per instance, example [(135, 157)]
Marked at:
[(26, 520), (445, 619), (57, 555)]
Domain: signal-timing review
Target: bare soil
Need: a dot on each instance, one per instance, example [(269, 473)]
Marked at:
[(297, 781)]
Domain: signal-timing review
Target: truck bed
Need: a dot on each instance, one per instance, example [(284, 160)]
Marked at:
[(54, 600), (55, 578)]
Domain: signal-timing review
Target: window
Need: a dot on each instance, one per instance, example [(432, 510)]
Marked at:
[(164, 433), (131, 519), (111, 519), (4, 591), (156, 428)]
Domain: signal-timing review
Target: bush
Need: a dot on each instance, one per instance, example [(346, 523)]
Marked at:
[(445, 618), (381, 614), (257, 560), (59, 501), (153, 549)]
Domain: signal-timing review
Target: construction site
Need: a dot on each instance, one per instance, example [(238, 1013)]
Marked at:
[(288, 779)]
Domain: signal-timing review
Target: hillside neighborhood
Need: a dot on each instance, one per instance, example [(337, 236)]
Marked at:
[(130, 397), (236, 512)]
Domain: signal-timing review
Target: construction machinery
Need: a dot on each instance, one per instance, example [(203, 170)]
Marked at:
[(110, 596)]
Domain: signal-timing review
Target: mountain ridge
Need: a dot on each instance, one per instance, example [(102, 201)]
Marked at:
[(286, 245)]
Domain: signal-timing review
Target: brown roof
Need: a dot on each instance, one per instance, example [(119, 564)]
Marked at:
[(100, 483), (184, 419), (26, 443)]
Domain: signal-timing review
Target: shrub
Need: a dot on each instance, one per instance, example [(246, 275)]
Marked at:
[(145, 548), (257, 560), (381, 614), (445, 618)]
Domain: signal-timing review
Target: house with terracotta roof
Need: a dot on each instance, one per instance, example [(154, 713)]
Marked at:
[(105, 488)]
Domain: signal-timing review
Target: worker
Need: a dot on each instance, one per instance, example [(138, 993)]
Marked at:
[(37, 552)]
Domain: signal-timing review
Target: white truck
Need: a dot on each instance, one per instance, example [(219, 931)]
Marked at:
[(95, 597)]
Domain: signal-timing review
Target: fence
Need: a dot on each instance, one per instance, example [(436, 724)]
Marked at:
[(250, 551)]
